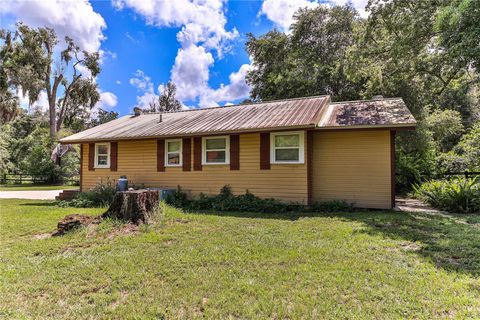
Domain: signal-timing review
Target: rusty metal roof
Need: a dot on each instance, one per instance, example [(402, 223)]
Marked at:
[(299, 113), (382, 112)]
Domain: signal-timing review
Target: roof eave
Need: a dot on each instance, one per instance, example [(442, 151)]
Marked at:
[(214, 133)]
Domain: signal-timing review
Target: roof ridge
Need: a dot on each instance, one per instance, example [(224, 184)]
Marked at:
[(236, 105), (364, 100)]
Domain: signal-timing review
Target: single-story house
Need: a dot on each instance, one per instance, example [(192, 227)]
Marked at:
[(304, 150)]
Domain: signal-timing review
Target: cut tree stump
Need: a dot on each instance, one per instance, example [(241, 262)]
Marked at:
[(136, 206)]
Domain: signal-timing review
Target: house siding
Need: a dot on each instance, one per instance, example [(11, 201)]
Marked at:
[(352, 165), (137, 159)]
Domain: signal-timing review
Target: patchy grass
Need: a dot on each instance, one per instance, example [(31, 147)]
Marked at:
[(30, 187), (353, 265)]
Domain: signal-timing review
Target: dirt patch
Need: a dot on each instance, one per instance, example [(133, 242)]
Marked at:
[(74, 221), (124, 230), (42, 236)]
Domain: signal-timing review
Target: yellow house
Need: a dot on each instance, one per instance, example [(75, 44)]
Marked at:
[(302, 150)]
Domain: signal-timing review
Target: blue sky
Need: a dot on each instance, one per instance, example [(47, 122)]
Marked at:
[(200, 45)]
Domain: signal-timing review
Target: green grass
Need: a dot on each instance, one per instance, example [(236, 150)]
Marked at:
[(27, 187), (361, 265)]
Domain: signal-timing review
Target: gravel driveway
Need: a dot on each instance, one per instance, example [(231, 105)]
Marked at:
[(40, 195)]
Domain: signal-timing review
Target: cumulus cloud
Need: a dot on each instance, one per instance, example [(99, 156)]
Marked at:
[(201, 21), (236, 89), (202, 32), (108, 100), (191, 71), (281, 12), (73, 18), (144, 86)]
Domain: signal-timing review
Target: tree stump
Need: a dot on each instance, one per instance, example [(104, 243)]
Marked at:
[(136, 206)]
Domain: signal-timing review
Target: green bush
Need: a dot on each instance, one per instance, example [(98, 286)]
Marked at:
[(332, 206), (100, 196), (455, 195), (227, 201)]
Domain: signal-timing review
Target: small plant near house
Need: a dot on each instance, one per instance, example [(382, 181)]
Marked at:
[(455, 195), (332, 206), (248, 202), (100, 196)]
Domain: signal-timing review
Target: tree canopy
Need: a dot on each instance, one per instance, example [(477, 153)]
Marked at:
[(167, 100), (30, 65)]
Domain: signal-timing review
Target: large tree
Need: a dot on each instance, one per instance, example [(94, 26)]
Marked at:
[(33, 62), (308, 61), (167, 100)]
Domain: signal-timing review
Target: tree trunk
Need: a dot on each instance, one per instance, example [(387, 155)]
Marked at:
[(137, 206), (53, 118)]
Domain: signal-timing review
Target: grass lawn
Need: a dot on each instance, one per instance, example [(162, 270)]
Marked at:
[(26, 187), (361, 265)]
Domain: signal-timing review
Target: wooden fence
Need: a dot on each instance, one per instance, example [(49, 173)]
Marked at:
[(25, 178)]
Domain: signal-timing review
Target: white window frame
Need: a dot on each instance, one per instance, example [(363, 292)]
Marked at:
[(180, 152), (301, 147), (227, 150), (104, 166)]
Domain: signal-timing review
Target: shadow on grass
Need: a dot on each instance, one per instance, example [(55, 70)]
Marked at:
[(451, 242), (40, 204)]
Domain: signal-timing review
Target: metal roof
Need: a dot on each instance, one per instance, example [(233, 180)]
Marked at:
[(299, 113), (381, 112)]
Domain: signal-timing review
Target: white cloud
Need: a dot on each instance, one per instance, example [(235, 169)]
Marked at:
[(141, 81), (201, 21), (236, 89), (191, 71), (281, 12), (74, 18), (108, 100), (144, 85), (202, 31), (118, 82)]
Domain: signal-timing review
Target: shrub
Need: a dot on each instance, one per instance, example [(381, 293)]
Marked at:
[(455, 195), (100, 196), (332, 206), (227, 201)]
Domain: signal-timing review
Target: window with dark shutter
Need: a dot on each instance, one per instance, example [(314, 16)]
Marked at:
[(113, 156), (265, 151), (160, 155), (235, 152), (91, 157), (197, 153), (187, 154)]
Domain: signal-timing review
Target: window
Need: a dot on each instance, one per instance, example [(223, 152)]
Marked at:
[(216, 150), (287, 147), (102, 155), (173, 153)]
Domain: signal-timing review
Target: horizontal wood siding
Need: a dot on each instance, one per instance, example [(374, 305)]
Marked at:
[(137, 160), (352, 166)]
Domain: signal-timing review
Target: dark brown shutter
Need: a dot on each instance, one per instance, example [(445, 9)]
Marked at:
[(187, 154), (113, 156), (160, 155), (197, 153), (235, 152), (91, 156), (265, 151)]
